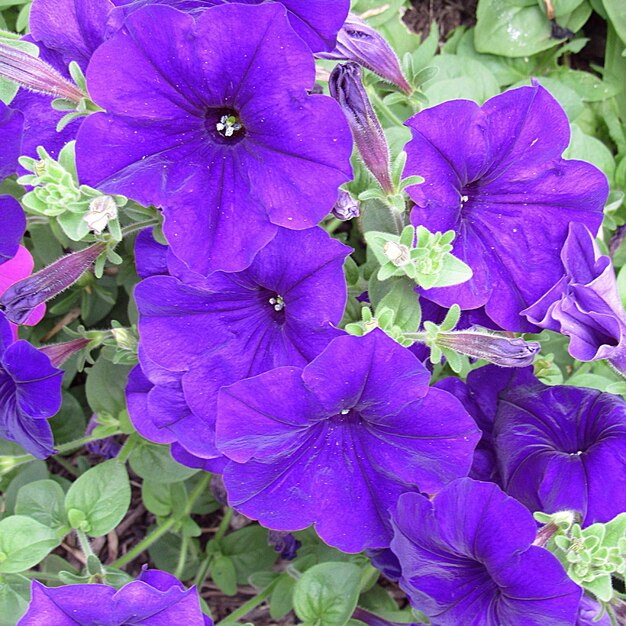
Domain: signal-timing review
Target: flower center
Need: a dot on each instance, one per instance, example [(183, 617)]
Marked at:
[(277, 302), (228, 125), (224, 126)]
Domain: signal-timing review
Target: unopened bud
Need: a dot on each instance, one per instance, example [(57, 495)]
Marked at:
[(360, 43), (34, 74), (496, 349), (397, 253), (285, 543), (347, 88), (101, 211), (346, 206), (19, 300), (58, 353)]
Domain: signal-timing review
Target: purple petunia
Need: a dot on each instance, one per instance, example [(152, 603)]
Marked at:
[(216, 128), (552, 448), (467, 558), (156, 598), (494, 174), (563, 448), (585, 303), (11, 129), (64, 31), (479, 396), (30, 393), (13, 223), (316, 21), (335, 444), (198, 334)]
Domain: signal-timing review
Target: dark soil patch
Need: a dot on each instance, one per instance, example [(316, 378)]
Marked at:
[(449, 14)]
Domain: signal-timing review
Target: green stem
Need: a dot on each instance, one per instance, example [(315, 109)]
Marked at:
[(155, 535), (383, 108), (15, 461), (85, 546), (129, 445), (67, 465), (251, 604), (203, 570), (133, 228), (182, 557)]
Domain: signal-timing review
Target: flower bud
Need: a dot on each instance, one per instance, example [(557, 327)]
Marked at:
[(107, 448), (19, 300), (496, 349), (285, 543), (346, 87), (34, 74), (101, 211), (58, 353), (359, 42), (346, 206), (397, 253)]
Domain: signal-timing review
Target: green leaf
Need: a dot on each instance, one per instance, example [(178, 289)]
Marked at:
[(35, 470), (590, 149), (149, 460), (224, 574), (249, 551), (518, 28), (454, 272), (43, 500), (105, 387), (600, 587), (615, 530), (102, 495), (460, 77), (404, 301), (23, 543), (616, 11), (281, 600), (14, 598), (327, 594)]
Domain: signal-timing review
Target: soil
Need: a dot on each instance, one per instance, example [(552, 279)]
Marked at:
[(447, 13)]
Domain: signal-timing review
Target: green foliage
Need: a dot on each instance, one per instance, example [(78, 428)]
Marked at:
[(327, 594), (99, 499)]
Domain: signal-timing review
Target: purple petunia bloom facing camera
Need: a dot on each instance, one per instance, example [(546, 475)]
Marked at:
[(156, 599), (335, 444), (13, 223), (467, 558), (585, 303), (494, 174), (210, 119), (199, 334)]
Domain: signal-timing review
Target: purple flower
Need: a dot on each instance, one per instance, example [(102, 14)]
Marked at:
[(203, 333), (22, 298), (588, 611), (494, 174), (335, 444), (13, 223), (585, 303), (155, 598), (285, 543), (105, 448), (346, 87), (357, 41), (479, 396), (562, 448), (159, 411), (30, 393), (467, 558), (64, 31), (11, 128), (346, 207), (316, 21), (216, 128)]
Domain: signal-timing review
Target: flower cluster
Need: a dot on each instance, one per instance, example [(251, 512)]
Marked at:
[(287, 259)]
